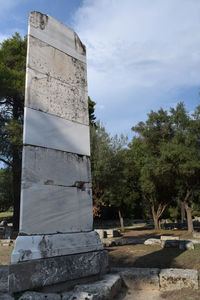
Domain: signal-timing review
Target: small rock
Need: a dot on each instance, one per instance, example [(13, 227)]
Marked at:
[(196, 235), (169, 238), (152, 241), (189, 245)]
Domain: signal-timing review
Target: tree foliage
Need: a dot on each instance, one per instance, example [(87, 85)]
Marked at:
[(12, 85)]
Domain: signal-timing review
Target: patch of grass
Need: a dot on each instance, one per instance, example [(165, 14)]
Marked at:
[(6, 214)]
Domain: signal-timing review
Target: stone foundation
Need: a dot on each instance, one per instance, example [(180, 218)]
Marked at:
[(39, 273)]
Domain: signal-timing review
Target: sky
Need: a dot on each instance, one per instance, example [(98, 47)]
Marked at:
[(141, 54)]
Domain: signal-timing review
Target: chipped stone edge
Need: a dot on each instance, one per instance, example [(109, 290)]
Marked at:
[(42, 246)]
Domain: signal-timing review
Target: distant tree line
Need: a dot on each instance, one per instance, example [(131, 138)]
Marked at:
[(156, 174)]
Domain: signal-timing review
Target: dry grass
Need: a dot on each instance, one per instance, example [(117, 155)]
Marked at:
[(5, 253), (6, 214), (154, 257)]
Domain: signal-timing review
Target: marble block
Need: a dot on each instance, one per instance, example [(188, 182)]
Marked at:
[(47, 209), (56, 34), (53, 167), (46, 59), (48, 94), (38, 273), (45, 130), (43, 246)]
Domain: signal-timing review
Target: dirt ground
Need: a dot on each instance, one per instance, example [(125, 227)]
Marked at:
[(183, 294)]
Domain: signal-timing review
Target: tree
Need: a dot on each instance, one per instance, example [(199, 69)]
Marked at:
[(182, 156), (6, 194), (155, 181), (91, 109), (12, 85)]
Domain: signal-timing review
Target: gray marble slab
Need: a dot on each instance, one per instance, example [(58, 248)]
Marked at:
[(45, 130), (43, 246), (47, 166), (45, 272), (56, 34), (48, 60), (51, 95), (48, 209)]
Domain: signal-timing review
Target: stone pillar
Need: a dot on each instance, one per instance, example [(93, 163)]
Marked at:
[(56, 242)]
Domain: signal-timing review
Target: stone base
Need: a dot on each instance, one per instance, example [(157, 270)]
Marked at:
[(39, 273), (44, 246)]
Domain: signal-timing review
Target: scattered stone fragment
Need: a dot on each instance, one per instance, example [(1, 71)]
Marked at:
[(169, 238), (139, 278), (170, 244), (175, 279), (196, 235), (150, 242), (103, 289)]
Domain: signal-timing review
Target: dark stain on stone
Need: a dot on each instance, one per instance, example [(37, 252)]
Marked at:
[(49, 182), (44, 247), (43, 21)]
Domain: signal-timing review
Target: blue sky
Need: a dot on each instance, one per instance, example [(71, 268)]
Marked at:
[(142, 54)]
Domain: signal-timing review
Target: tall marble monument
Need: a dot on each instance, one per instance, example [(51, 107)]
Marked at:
[(56, 242)]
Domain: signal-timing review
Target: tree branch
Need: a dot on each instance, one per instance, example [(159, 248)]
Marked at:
[(6, 162)]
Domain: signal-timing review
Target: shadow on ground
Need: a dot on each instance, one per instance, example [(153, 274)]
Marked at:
[(162, 258)]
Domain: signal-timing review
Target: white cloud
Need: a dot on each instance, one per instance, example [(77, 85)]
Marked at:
[(137, 48)]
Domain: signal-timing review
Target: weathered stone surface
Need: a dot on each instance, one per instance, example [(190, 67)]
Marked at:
[(175, 279), (107, 288), (113, 232), (150, 242), (56, 34), (5, 297), (53, 167), (78, 296), (39, 296), (3, 278), (44, 272), (45, 130), (63, 67), (186, 245), (47, 94), (61, 209), (43, 246), (170, 244), (122, 241), (169, 238), (139, 278)]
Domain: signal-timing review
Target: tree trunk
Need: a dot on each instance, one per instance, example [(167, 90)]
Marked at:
[(121, 219), (182, 212), (16, 169), (188, 210), (157, 214), (155, 218)]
